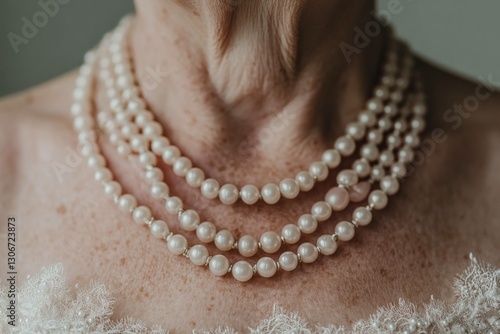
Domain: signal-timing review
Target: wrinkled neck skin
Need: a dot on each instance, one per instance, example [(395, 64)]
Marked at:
[(253, 79)]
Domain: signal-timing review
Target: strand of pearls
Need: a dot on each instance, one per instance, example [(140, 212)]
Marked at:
[(140, 130), (219, 264)]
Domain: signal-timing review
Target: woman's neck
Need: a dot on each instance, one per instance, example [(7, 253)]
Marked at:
[(268, 74)]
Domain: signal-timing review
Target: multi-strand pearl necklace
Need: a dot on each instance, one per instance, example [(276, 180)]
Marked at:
[(131, 128)]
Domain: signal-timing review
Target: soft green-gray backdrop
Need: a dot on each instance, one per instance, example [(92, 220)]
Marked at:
[(461, 35)]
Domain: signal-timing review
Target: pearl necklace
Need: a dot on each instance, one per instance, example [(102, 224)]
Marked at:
[(336, 199)]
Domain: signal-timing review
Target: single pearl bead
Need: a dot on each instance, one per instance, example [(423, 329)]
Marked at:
[(123, 149), (321, 211), (288, 261), (170, 154), (198, 254), (159, 144), (361, 167), (359, 192), (345, 230), (412, 139), (326, 244), (152, 129), (381, 92), (375, 136), (307, 224), (305, 181), (389, 185), (270, 242), (355, 130), (141, 214), (242, 271), (112, 189), (127, 203), (378, 199), (319, 170), (391, 109), (189, 220), (96, 161), (103, 175), (347, 178), (345, 146), (378, 172), (181, 166), (393, 140), (308, 252), (173, 205), (249, 194), (138, 143), (399, 170), (177, 244), (153, 175), (266, 267), (331, 158), (210, 188), (386, 158), (418, 124), (219, 265), (289, 188), (159, 229), (406, 154), (291, 233), (368, 118), (370, 152), (248, 246), (362, 216), (143, 117), (400, 125), (374, 104), (206, 232), (159, 190), (147, 158), (338, 198), (228, 194), (128, 130), (224, 240), (270, 193), (194, 177)]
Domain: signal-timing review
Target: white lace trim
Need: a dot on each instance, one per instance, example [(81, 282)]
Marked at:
[(47, 305)]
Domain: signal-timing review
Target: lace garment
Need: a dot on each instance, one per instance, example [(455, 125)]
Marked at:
[(45, 304)]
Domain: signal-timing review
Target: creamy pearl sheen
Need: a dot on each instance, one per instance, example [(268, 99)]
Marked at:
[(228, 194), (289, 188), (141, 214), (206, 232), (271, 193), (189, 220), (224, 240), (249, 194), (210, 188), (362, 216), (218, 265), (308, 252), (326, 244), (159, 229), (338, 198), (305, 181), (177, 244), (288, 261), (307, 224), (345, 230), (242, 271), (270, 242), (266, 267), (319, 170), (248, 246), (291, 233), (198, 254), (378, 199), (321, 211)]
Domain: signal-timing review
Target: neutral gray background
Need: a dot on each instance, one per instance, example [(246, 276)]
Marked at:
[(460, 35)]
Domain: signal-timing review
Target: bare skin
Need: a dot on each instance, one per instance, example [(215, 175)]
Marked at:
[(447, 209)]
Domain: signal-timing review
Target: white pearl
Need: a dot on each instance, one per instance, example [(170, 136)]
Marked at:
[(305, 181), (319, 170), (369, 152), (147, 158), (393, 140), (375, 136), (210, 188), (326, 244), (412, 139), (307, 224), (123, 149), (103, 175), (389, 185), (399, 170), (345, 230), (308, 252), (249, 194), (391, 109), (374, 104), (378, 199), (345, 146), (198, 254), (177, 244), (248, 246), (270, 193), (181, 166), (141, 214), (173, 205), (127, 203), (418, 124), (159, 190), (270, 242), (401, 125), (288, 261), (406, 154), (170, 154), (159, 229), (206, 232), (228, 194), (381, 92), (368, 118), (347, 178), (378, 172), (331, 158), (112, 189), (152, 129), (153, 175), (386, 158), (321, 211), (138, 143), (159, 144), (143, 117), (189, 220), (242, 271), (355, 130), (361, 167), (128, 130), (219, 265), (266, 267), (291, 233), (362, 216), (289, 188), (194, 177), (96, 161), (224, 240)]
